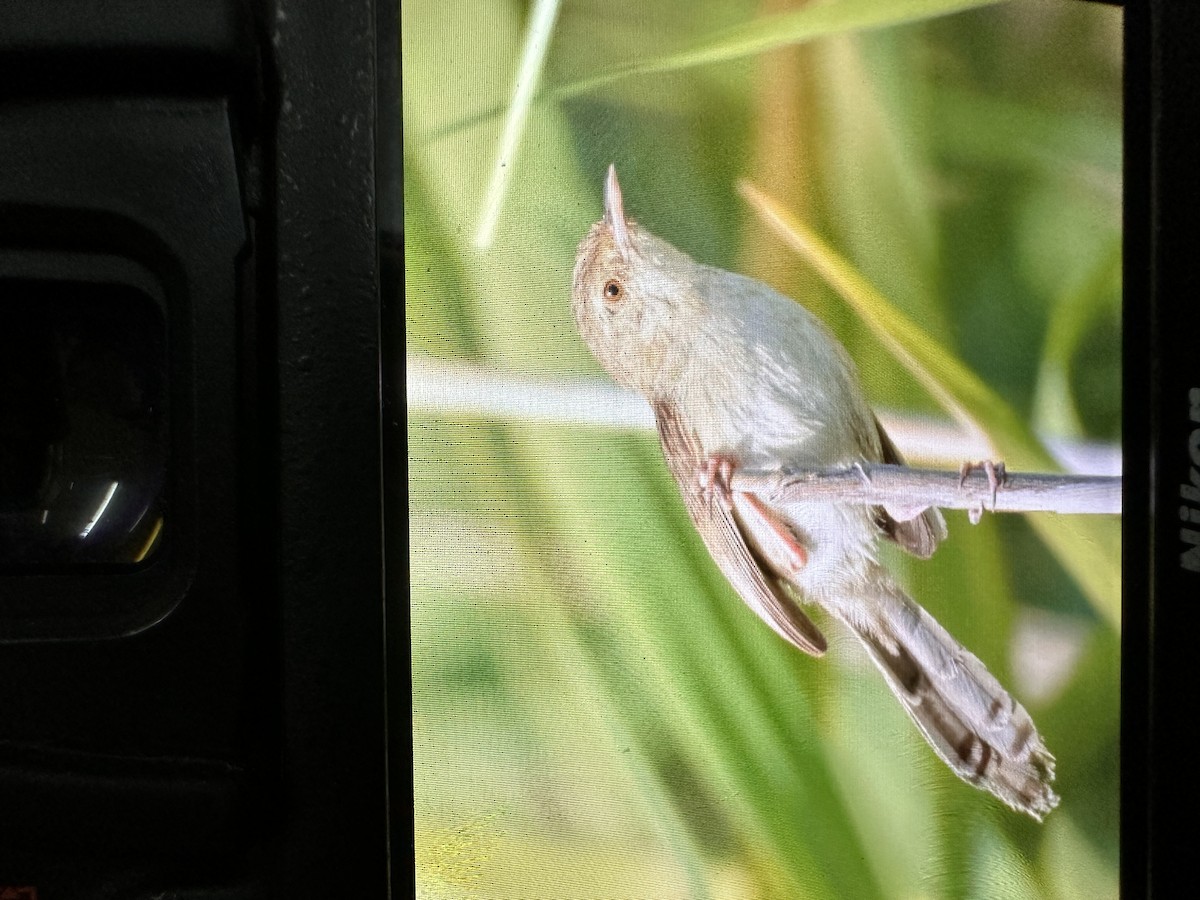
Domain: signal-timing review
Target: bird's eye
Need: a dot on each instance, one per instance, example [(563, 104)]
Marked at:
[(612, 289)]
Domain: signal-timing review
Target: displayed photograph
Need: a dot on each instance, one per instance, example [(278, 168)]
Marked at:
[(763, 377)]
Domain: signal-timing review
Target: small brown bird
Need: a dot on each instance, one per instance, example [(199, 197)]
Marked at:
[(740, 376)]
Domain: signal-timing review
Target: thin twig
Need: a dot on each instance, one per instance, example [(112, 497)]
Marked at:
[(899, 487)]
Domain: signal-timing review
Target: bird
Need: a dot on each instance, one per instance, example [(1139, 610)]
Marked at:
[(740, 376)]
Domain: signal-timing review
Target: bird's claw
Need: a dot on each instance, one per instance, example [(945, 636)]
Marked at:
[(996, 477), (714, 477)]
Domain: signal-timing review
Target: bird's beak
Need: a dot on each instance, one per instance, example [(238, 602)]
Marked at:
[(614, 213)]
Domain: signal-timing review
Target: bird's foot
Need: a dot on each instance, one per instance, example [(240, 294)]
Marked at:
[(996, 476), (714, 477)]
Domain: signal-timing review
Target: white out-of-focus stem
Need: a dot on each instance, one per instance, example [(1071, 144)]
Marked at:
[(529, 73), (462, 389)]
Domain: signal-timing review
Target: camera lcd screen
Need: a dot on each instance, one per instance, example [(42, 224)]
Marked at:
[(611, 695)]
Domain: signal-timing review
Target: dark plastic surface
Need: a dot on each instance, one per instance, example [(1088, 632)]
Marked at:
[(146, 195), (330, 515), (110, 743), (1162, 302), (209, 723), (127, 46)]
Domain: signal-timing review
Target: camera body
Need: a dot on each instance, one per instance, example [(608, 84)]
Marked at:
[(188, 575)]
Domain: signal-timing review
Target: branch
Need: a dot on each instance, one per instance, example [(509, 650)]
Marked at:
[(899, 487)]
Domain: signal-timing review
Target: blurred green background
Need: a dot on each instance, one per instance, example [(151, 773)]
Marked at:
[(595, 712)]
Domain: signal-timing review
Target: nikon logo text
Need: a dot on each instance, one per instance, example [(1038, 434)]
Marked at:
[(1189, 491)]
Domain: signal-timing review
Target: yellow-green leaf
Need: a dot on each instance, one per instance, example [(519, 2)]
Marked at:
[(815, 20)]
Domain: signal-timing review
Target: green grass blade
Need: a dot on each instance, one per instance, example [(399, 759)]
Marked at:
[(1053, 404), (786, 29), (757, 36)]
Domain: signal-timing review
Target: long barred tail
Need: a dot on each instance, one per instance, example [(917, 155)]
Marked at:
[(981, 732)]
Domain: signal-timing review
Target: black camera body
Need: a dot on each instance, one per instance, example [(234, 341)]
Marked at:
[(191, 578)]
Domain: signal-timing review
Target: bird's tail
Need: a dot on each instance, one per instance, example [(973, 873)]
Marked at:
[(981, 732)]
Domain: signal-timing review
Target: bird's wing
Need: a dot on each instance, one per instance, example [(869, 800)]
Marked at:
[(919, 534), (726, 541)]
